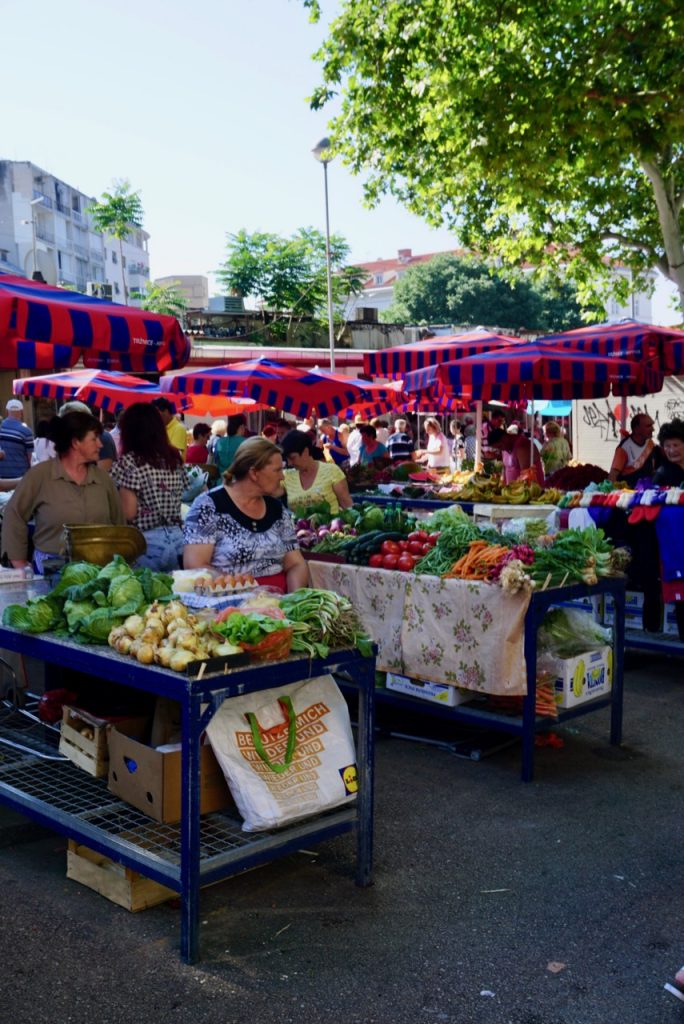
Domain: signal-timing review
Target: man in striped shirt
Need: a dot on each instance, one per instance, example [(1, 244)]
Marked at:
[(16, 441)]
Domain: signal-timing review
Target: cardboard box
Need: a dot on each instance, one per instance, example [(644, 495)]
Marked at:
[(582, 678), (83, 739), (670, 627), (150, 779), (123, 886), (438, 693)]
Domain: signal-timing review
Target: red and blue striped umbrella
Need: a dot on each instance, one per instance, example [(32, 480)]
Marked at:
[(108, 336), (538, 371), (16, 354), (287, 388), (402, 359), (97, 388), (663, 347)]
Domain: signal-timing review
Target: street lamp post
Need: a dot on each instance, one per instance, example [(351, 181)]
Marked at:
[(321, 152)]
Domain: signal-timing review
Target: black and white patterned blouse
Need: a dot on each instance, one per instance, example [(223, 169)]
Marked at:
[(157, 489), (241, 544)]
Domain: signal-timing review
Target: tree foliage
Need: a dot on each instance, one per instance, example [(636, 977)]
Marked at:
[(289, 275), (549, 131), (165, 299), (456, 290), (117, 214)]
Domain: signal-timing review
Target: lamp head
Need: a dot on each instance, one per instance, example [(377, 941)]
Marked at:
[(322, 151), (35, 202)]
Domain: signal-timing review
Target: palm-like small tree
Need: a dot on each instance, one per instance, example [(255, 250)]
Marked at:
[(164, 298), (117, 214)]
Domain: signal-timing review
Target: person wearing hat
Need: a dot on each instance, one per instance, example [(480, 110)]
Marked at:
[(16, 441)]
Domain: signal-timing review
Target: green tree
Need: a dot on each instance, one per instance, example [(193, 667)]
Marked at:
[(164, 298), (462, 290), (288, 275), (118, 214), (549, 131)]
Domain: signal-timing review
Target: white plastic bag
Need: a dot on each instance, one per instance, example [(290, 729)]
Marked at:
[(286, 753)]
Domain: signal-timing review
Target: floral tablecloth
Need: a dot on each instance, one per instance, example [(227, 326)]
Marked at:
[(443, 631)]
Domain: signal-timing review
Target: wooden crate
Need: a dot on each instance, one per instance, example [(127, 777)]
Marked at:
[(84, 739), (123, 886)]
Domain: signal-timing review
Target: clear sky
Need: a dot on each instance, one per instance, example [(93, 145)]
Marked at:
[(202, 107)]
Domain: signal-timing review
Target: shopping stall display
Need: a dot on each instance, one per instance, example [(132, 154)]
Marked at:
[(155, 645)]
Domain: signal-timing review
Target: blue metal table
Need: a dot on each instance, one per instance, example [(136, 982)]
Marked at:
[(527, 725), (199, 850)]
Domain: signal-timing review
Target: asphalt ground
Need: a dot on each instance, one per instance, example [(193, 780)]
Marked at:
[(494, 902)]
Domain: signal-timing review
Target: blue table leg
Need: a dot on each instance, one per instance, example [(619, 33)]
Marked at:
[(530, 701), (618, 668), (365, 768), (190, 829)]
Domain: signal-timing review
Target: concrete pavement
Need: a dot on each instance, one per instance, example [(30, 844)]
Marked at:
[(556, 902)]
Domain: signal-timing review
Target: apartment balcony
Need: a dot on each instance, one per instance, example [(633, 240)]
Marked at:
[(78, 217), (96, 257), (45, 233), (62, 208), (47, 201), (138, 270), (80, 250)]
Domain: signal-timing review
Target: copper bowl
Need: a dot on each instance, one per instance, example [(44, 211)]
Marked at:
[(99, 543)]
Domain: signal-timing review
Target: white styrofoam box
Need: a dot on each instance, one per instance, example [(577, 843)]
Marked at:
[(669, 621), (584, 677), (438, 693)]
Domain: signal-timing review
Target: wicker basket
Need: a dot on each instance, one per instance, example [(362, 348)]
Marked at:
[(274, 647)]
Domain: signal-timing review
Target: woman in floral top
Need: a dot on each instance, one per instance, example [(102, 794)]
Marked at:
[(151, 479)]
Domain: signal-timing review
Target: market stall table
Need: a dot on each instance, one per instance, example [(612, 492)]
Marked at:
[(197, 851), (471, 635)]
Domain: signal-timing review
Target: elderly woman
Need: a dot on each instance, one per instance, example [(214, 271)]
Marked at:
[(67, 489), (308, 481), (671, 441), (555, 451), (242, 527), (151, 479)]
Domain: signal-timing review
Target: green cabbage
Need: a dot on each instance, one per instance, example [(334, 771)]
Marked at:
[(97, 626), (76, 611), (125, 592), (38, 615), (73, 574)]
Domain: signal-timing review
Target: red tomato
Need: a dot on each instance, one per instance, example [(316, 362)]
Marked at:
[(415, 547), (418, 535), (390, 561), (375, 561), (403, 545), (432, 539), (426, 548), (390, 547), (406, 562)]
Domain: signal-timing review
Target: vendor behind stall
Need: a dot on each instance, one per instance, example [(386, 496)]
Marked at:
[(308, 481), (522, 456), (69, 488), (636, 456), (242, 526), (671, 441)]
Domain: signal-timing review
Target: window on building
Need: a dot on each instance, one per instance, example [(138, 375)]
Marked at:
[(76, 203), (115, 258), (117, 290), (59, 259), (378, 278), (123, 262)]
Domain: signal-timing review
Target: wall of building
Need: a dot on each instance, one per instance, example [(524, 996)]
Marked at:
[(596, 423)]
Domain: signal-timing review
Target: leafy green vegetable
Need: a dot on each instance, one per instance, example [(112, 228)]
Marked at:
[(36, 616), (97, 626), (75, 573), (125, 592), (76, 611)]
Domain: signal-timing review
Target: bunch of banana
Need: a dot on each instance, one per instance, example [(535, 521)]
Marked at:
[(551, 496), (517, 493)]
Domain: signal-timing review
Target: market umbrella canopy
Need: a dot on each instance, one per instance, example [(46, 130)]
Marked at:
[(18, 354), (287, 388), (539, 371), (101, 389), (663, 347), (396, 362), (107, 335)]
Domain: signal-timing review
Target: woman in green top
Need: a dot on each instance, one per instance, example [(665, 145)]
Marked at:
[(226, 447)]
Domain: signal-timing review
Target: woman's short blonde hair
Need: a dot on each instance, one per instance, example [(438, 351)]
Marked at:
[(218, 428), (552, 429), (432, 422)]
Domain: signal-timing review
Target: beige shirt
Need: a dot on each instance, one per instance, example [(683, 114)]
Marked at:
[(52, 499)]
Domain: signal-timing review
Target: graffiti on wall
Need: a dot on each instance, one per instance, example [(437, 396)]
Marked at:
[(604, 420)]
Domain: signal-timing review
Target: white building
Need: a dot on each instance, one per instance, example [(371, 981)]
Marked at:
[(44, 228), (383, 274)]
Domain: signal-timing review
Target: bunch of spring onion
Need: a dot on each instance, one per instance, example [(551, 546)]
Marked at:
[(575, 556), (322, 620)]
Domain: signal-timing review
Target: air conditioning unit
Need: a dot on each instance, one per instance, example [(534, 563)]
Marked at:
[(100, 290), (369, 314)]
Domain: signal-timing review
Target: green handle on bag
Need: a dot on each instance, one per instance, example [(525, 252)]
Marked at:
[(288, 710)]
